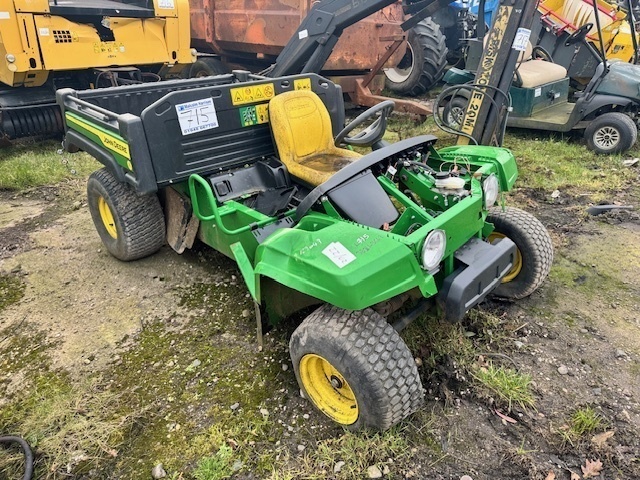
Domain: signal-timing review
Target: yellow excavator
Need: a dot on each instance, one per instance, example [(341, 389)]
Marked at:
[(49, 44)]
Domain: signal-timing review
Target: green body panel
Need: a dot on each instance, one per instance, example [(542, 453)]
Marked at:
[(113, 142), (623, 80), (528, 101), (301, 258), (457, 76)]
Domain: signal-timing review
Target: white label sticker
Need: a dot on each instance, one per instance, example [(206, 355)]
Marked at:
[(197, 116), (537, 92), (4, 16), (44, 32), (338, 254), (303, 34), (166, 4), (522, 39)]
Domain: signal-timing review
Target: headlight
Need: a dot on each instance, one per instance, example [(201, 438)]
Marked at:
[(433, 249), (491, 189)]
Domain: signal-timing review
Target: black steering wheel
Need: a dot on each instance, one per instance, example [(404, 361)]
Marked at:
[(579, 35), (373, 132), (541, 54)]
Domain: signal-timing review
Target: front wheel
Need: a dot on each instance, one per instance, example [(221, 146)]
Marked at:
[(610, 133), (534, 251), (354, 367), (130, 226)]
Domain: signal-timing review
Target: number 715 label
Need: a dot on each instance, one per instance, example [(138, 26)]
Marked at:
[(197, 116)]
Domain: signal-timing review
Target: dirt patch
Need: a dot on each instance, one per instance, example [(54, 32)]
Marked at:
[(176, 332)]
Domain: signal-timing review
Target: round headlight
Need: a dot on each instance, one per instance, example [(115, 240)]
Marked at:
[(10, 58), (491, 189), (433, 249)]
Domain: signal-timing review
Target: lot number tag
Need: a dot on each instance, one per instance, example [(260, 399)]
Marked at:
[(338, 254), (197, 116)]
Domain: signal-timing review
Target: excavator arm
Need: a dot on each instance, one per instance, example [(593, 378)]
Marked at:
[(310, 47)]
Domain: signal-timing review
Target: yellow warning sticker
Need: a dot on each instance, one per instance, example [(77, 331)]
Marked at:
[(252, 93), (302, 84)]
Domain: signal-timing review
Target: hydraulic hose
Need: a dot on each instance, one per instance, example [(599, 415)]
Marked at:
[(26, 449)]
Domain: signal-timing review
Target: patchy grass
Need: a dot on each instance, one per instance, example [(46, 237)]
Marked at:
[(353, 453), (506, 385), (31, 164), (216, 467), (583, 422), (11, 290)]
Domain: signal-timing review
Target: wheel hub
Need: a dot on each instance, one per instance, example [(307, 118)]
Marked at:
[(107, 218), (327, 388), (606, 137)]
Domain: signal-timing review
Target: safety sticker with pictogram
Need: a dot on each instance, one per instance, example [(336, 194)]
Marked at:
[(254, 115), (302, 84), (251, 93)]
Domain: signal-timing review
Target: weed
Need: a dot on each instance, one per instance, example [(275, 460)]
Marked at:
[(217, 466), (25, 165), (508, 385), (585, 420)]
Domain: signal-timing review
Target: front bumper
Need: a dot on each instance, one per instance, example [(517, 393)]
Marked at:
[(483, 267)]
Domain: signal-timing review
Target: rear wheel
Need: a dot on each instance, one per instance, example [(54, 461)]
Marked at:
[(354, 367), (206, 67), (612, 132), (534, 253), (423, 64), (129, 225)]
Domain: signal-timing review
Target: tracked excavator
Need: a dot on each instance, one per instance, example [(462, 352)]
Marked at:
[(50, 44)]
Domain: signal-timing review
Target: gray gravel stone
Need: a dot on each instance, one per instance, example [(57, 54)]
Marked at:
[(235, 406), (338, 466), (374, 472), (158, 472), (563, 370)]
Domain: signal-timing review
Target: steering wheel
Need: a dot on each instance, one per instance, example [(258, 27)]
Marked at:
[(579, 35), (541, 53), (373, 132)]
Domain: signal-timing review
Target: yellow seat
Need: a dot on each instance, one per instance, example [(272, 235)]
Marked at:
[(301, 128)]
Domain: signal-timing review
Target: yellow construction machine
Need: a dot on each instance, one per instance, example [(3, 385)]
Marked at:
[(50, 44)]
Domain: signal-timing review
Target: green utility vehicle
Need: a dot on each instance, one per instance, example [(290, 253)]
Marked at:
[(251, 167)]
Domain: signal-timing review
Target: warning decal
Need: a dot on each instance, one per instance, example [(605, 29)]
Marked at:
[(254, 115), (252, 93), (302, 84)]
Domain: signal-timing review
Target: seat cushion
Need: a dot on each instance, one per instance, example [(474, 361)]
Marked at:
[(538, 72), (302, 132)]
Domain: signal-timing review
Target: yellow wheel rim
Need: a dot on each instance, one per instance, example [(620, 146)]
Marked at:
[(107, 217), (517, 264), (328, 389)]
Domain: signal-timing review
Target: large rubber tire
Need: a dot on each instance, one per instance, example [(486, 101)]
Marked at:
[(534, 251), (423, 64), (206, 67), (354, 367), (610, 133), (129, 225)]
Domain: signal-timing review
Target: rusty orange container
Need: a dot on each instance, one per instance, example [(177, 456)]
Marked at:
[(256, 31)]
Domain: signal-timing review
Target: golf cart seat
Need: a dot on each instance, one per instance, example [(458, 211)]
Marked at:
[(531, 73), (301, 129)]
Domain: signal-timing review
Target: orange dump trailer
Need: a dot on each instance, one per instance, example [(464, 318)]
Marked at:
[(251, 33)]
